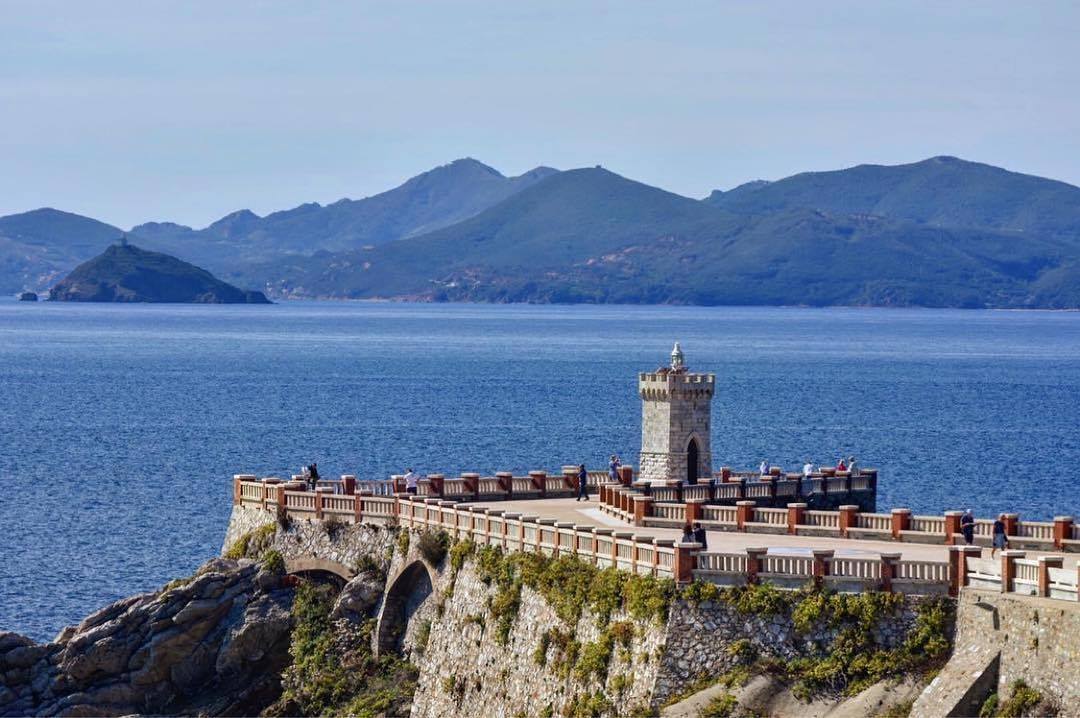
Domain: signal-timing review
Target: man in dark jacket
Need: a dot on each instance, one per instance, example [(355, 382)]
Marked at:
[(700, 536), (582, 484)]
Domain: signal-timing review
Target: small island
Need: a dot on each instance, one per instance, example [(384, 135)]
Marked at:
[(126, 273), (28, 297)]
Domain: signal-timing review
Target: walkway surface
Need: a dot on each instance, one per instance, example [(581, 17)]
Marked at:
[(588, 513)]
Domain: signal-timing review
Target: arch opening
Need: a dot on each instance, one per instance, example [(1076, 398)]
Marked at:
[(692, 462), (402, 600)]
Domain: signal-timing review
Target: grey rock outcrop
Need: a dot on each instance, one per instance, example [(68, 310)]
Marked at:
[(213, 645)]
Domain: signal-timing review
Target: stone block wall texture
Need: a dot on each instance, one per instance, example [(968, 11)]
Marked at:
[(672, 413), (1035, 640)]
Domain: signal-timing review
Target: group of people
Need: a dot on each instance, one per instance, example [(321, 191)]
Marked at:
[(694, 533), (808, 468), (311, 475), (999, 539)]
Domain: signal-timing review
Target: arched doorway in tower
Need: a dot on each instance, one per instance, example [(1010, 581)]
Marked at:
[(692, 462)]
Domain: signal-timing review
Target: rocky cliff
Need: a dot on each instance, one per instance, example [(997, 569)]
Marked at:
[(212, 644)]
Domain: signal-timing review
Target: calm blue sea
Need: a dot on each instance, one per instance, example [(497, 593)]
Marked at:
[(120, 426)]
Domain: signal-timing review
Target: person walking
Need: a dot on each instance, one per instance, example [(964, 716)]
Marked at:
[(967, 527), (807, 469), (412, 481), (582, 484), (1001, 541), (700, 536)]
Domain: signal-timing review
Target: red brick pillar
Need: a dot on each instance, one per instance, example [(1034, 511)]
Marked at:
[(1045, 564), (952, 526), (1062, 531), (626, 475), (358, 508), (888, 570), (539, 480), (754, 558), (281, 496), (848, 519), (957, 570), (685, 561), (1011, 521), (822, 556), (642, 509), (318, 504), (725, 474), (901, 521), (472, 483), (570, 478), (744, 513), (695, 509), (348, 484), (506, 481), (236, 489), (435, 481), (795, 514), (1008, 568)]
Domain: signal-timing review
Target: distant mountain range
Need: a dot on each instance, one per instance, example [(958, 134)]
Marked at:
[(941, 232)]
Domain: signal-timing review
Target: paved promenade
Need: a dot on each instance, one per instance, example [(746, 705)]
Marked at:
[(589, 514)]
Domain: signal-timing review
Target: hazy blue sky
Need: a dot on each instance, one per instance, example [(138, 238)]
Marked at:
[(132, 111)]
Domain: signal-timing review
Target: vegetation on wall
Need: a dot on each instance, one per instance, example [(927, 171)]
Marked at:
[(336, 674), (1023, 700), (253, 543), (853, 659)]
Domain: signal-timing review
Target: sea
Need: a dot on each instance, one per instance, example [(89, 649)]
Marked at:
[(122, 425)]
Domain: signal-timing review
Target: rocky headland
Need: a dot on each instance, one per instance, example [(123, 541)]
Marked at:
[(126, 273)]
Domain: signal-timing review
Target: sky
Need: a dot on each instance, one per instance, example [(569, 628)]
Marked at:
[(185, 111)]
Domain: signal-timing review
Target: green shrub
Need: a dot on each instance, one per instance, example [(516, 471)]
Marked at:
[(1022, 699), (622, 683), (403, 541), (423, 635), (594, 658), (273, 562), (723, 706), (622, 632), (433, 546), (459, 553), (333, 526), (742, 651), (368, 566), (253, 543), (699, 592), (592, 705), (648, 598), (540, 654), (760, 599)]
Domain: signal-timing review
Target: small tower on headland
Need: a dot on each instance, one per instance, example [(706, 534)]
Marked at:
[(676, 414)]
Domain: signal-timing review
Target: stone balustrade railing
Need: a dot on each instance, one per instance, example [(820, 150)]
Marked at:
[(641, 508), (649, 555)]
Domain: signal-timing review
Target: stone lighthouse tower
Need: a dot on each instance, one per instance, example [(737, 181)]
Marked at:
[(676, 412)]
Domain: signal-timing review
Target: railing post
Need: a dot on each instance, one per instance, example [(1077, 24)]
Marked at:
[(348, 484), (318, 504), (642, 509), (952, 526), (822, 556), (740, 493), (694, 510), (744, 514), (770, 484), (539, 480), (848, 519), (957, 570), (281, 497), (888, 570), (795, 514), (506, 481), (1008, 568), (754, 558), (685, 561), (358, 508), (236, 489), (570, 478), (711, 483), (1011, 521), (472, 483), (626, 475), (901, 521), (725, 474), (1045, 564), (435, 481), (1063, 531)]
